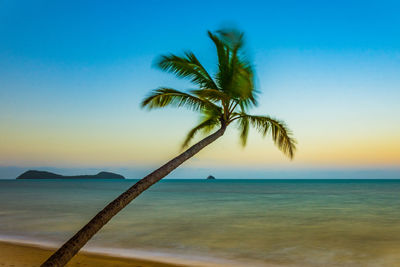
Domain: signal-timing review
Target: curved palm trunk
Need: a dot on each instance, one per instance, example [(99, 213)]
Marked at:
[(72, 246)]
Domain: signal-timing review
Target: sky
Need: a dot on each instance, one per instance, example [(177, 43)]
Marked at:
[(73, 74)]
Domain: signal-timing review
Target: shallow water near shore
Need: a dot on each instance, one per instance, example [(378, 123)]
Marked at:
[(279, 222)]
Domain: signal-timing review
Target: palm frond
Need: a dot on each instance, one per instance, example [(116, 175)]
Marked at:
[(187, 67), (280, 133), (163, 97), (244, 130), (223, 56), (223, 74), (235, 75), (207, 126), (212, 95), (242, 81), (232, 38)]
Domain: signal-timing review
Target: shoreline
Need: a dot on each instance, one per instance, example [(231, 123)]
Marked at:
[(22, 252), (25, 254)]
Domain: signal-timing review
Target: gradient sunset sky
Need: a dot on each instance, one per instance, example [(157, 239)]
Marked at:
[(73, 73)]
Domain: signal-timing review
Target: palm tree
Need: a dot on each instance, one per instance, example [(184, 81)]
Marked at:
[(221, 100)]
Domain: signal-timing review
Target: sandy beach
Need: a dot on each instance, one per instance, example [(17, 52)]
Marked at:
[(12, 254)]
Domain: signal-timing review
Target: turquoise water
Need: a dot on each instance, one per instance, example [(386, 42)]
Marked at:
[(257, 222)]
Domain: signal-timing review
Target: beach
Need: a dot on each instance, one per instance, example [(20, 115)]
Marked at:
[(18, 254)]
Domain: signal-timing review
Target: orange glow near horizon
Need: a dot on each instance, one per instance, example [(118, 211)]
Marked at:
[(110, 148)]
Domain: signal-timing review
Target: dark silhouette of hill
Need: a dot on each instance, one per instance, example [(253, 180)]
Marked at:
[(32, 174)]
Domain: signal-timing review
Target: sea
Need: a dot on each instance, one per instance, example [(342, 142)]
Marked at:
[(222, 222)]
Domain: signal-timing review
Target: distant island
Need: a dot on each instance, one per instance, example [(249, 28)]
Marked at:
[(31, 174), (210, 177)]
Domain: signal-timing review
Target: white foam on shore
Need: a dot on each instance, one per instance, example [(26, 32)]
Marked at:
[(186, 260)]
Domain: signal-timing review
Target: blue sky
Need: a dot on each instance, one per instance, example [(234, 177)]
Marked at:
[(73, 74)]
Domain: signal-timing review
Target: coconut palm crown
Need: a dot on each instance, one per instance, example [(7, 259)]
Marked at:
[(221, 99)]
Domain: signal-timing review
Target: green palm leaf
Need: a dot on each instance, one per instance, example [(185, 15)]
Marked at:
[(244, 130), (163, 97), (212, 95), (187, 67), (280, 133), (206, 126)]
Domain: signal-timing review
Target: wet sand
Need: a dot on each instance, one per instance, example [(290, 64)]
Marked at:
[(13, 255)]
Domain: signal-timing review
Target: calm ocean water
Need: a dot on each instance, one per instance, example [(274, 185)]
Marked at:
[(257, 222)]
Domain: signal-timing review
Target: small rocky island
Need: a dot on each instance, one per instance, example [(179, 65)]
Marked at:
[(49, 175), (210, 177)]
